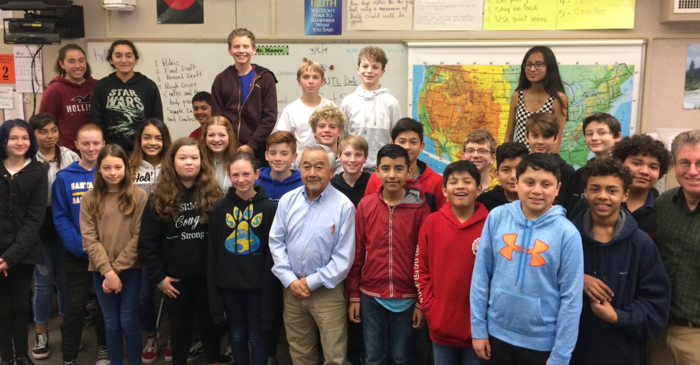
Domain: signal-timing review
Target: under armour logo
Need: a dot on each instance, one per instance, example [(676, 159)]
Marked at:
[(536, 252)]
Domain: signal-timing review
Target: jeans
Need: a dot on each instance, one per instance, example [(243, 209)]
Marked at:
[(147, 310), (385, 331), (14, 311), (451, 355), (243, 309), (47, 275), (121, 314)]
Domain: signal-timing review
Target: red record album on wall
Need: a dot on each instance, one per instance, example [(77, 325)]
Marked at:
[(180, 11)]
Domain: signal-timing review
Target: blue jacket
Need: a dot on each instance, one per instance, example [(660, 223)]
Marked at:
[(527, 284), (274, 189), (68, 190), (630, 264)]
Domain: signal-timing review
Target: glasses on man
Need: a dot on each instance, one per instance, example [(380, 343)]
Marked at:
[(538, 65), (685, 164), (480, 152)]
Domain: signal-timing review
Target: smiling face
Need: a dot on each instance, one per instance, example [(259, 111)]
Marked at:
[(327, 132), (243, 176), (187, 163), (370, 73), (539, 143), (310, 82), (532, 73), (688, 177), (217, 138), (392, 172), (47, 136), (537, 190), (89, 143), (280, 157), (74, 64), (645, 171), (480, 154), (461, 190), (599, 139), (352, 160), (201, 111), (605, 194), (316, 173), (17, 142), (123, 59), (241, 50), (151, 141), (410, 141), (112, 170), (506, 176)]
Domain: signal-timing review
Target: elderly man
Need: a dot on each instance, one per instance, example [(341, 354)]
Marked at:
[(312, 241), (678, 239)]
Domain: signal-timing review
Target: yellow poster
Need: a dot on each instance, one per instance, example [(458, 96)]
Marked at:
[(520, 14), (595, 14)]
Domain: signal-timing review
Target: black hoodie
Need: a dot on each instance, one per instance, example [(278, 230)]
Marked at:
[(631, 266), (120, 107), (644, 215), (566, 172), (356, 192), (493, 198)]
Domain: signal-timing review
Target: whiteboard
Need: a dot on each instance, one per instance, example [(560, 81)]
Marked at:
[(182, 69)]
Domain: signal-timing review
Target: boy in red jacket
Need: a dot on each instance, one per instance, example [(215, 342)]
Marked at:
[(448, 240), (381, 278)]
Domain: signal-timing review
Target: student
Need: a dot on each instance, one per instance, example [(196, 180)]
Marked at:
[(279, 178), (69, 94), (371, 110), (327, 125), (380, 282), (602, 131), (480, 148), (110, 220), (51, 273), (201, 108), (173, 244), (508, 156), (352, 181), (628, 294), (245, 94), (239, 265), (527, 284), (540, 89), (125, 98), (218, 145), (67, 192), (22, 208), (295, 116), (408, 133), (542, 130), (445, 256)]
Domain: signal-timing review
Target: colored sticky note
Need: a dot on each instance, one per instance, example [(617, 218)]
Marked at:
[(595, 14), (7, 68), (520, 14)]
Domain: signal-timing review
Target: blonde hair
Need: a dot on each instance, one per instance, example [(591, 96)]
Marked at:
[(480, 136), (87, 128), (310, 65), (327, 112), (354, 141), (373, 54), (686, 138), (241, 32)]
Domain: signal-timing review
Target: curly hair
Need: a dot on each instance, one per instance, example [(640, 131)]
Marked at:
[(127, 199), (328, 112), (645, 145), (241, 32), (373, 54), (168, 191), (607, 167)]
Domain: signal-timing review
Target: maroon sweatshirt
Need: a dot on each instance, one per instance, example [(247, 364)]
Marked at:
[(70, 104)]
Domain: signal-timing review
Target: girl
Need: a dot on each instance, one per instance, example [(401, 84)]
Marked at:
[(23, 186), (240, 265), (219, 144), (51, 273), (110, 220), (68, 96), (540, 89), (152, 144), (173, 244), (124, 99)]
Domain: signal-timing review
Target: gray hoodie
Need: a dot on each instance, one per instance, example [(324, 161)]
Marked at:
[(67, 158), (146, 175)]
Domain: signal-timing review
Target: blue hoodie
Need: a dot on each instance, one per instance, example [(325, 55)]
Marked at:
[(532, 299), (274, 188), (68, 190)]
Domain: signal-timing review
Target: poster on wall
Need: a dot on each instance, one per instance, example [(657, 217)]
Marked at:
[(323, 17), (180, 11), (691, 96)]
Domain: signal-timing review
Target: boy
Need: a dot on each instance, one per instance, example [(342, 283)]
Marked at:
[(508, 156), (68, 189), (380, 281), (408, 133), (246, 95), (527, 284), (352, 181), (279, 178), (444, 261), (601, 131), (201, 108), (371, 111), (541, 131), (327, 125), (628, 293), (295, 116), (480, 148)]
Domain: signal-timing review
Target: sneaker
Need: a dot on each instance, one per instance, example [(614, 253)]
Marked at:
[(69, 362), (168, 353), (41, 346), (226, 358), (102, 355), (150, 351), (196, 352)]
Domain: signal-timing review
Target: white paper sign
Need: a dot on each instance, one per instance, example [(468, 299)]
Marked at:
[(449, 15), (380, 14), (25, 75), (17, 110), (5, 15), (5, 97)]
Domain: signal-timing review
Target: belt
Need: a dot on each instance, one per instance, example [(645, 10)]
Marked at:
[(683, 323)]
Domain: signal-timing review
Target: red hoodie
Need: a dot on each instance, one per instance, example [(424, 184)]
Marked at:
[(430, 183), (70, 104), (443, 288)]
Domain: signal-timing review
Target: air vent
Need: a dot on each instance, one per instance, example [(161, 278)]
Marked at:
[(686, 6)]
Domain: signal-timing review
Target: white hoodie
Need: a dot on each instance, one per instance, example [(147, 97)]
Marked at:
[(146, 176), (67, 158), (372, 115)]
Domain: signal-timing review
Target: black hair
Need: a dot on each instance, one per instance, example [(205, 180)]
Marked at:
[(461, 166), (642, 144), (612, 123), (539, 161), (510, 151), (202, 96), (406, 125), (246, 156), (552, 80), (607, 167), (62, 57), (393, 151), (5, 129), (122, 42), (40, 121)]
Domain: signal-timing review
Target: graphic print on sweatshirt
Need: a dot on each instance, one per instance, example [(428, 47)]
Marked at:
[(81, 104), (535, 260), (82, 188), (185, 220), (128, 103), (243, 241)]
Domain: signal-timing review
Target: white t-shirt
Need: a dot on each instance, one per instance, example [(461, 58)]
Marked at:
[(295, 119)]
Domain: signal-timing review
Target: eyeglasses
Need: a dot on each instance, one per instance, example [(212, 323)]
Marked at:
[(685, 164), (538, 65), (480, 152)]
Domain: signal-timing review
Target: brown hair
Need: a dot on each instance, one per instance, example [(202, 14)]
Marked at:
[(686, 138), (327, 112), (546, 123), (310, 65), (126, 198), (241, 32), (282, 137), (137, 154), (354, 141), (373, 54), (480, 136), (232, 141), (62, 56)]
